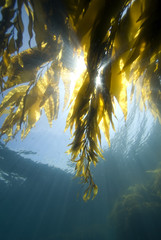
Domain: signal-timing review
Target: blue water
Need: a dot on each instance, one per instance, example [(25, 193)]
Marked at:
[(39, 202)]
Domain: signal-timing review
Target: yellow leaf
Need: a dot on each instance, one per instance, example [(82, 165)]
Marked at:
[(20, 61), (87, 194), (32, 116), (105, 126), (85, 24), (11, 46), (95, 191), (8, 3), (6, 58), (12, 97), (119, 84), (5, 111), (49, 110)]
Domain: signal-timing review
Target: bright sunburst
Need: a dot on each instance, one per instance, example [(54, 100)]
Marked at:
[(79, 69)]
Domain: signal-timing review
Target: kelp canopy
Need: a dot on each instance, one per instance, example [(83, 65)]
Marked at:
[(121, 44)]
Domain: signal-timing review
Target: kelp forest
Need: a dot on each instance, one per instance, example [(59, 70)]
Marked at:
[(120, 44)]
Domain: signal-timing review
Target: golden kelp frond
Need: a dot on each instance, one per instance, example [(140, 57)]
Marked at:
[(91, 111), (135, 45), (23, 67), (150, 86), (13, 97), (144, 58), (92, 107), (11, 25), (45, 94), (50, 100), (118, 52), (25, 104), (14, 102)]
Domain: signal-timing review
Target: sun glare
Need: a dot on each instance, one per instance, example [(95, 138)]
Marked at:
[(98, 78), (99, 75), (98, 81), (79, 69)]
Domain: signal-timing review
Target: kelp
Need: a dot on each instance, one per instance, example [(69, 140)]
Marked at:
[(121, 44), (137, 212)]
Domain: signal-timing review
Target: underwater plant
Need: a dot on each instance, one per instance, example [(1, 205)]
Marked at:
[(136, 213), (120, 43)]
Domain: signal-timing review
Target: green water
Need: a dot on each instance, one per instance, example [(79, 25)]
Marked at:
[(38, 202)]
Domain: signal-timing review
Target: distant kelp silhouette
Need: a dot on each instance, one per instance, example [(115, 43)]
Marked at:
[(136, 214)]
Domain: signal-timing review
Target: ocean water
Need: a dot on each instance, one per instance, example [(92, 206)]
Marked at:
[(40, 202)]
